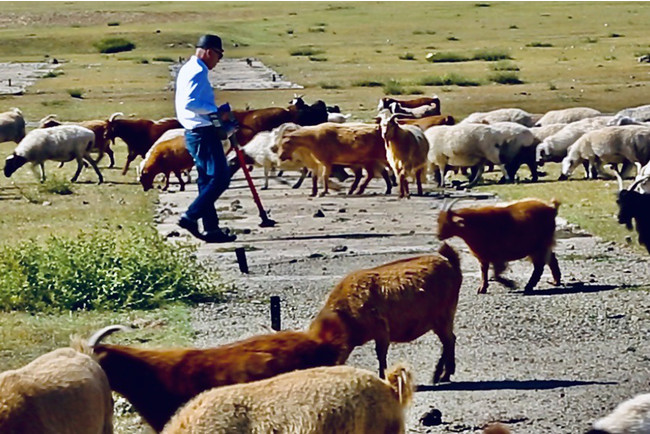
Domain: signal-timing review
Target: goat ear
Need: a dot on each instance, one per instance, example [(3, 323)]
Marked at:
[(457, 220)]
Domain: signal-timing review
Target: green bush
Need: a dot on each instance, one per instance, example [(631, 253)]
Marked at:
[(56, 185), (506, 78), (305, 52), (76, 93), (114, 45), (504, 65), (407, 56), (325, 85), (447, 58), (163, 59), (367, 83), (317, 59), (491, 56), (539, 44), (449, 79), (99, 271), (393, 87)]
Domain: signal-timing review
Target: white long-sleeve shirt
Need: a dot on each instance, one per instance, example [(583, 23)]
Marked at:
[(194, 95)]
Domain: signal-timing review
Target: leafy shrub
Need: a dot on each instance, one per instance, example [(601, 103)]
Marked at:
[(506, 78), (539, 44), (446, 57), (407, 56), (414, 91), (615, 35), (56, 185), (491, 56), (393, 87), (317, 59), (53, 74), (329, 86), (163, 59), (316, 30), (449, 79), (98, 271), (305, 52), (452, 38), (504, 65), (76, 93), (114, 45), (367, 83), (113, 23)]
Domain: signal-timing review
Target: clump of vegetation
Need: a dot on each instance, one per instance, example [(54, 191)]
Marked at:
[(449, 79), (506, 78), (56, 185), (590, 40), (424, 32), (317, 59), (482, 5), (513, 27), (367, 83), (407, 56), (615, 35), (452, 38), (76, 93), (491, 56), (114, 45), (446, 57), (504, 65), (53, 74), (305, 52), (393, 87), (539, 44), (163, 59), (329, 85), (142, 60), (113, 23), (98, 271)]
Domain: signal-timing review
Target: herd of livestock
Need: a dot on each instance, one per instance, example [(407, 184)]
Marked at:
[(296, 381)]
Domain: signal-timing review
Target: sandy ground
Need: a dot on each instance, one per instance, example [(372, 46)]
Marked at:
[(550, 362)]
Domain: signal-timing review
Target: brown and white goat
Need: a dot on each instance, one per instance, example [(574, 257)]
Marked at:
[(386, 101), (399, 302), (159, 381), (406, 151), (498, 234), (138, 134), (63, 391), (326, 400), (167, 155)]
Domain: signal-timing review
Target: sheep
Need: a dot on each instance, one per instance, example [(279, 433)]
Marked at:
[(629, 417), (541, 133), (158, 382), (351, 144), (567, 116), (517, 147), (168, 154), (399, 302), (554, 148), (337, 117), (499, 234), (63, 143), (502, 115), (633, 205), (99, 127), (63, 391), (416, 112), (12, 126), (608, 145), (638, 114), (406, 150), (464, 145), (427, 122), (326, 400), (385, 102)]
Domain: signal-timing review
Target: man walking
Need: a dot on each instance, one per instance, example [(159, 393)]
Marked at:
[(197, 111)]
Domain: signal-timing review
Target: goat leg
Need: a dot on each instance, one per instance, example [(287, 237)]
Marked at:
[(555, 270), (357, 177), (537, 274), (446, 365), (381, 348), (303, 175), (485, 267)]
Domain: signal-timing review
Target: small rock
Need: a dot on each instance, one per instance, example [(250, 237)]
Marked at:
[(48, 203), (315, 255), (343, 210), (431, 418), (173, 234), (235, 205), (339, 248), (319, 213)]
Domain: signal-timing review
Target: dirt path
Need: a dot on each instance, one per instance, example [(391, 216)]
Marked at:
[(550, 362)]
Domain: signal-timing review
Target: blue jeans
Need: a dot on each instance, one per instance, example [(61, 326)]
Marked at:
[(205, 148)]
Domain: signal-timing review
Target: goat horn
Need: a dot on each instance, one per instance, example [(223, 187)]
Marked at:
[(637, 182), (620, 181), (453, 202)]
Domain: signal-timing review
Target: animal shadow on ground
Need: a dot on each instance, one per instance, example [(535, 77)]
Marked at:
[(507, 385), (572, 288)]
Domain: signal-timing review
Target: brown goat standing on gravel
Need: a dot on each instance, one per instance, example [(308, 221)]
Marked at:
[(498, 234), (399, 302), (157, 382)]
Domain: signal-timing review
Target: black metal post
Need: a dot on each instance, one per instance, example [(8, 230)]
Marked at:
[(275, 313)]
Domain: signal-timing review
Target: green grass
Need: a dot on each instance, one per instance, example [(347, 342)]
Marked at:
[(449, 79), (114, 45), (508, 77)]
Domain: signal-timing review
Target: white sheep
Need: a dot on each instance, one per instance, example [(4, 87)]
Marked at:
[(62, 143), (464, 145), (554, 148), (629, 417), (339, 118), (12, 126), (639, 114), (502, 115), (541, 133), (325, 400), (63, 391), (609, 145), (567, 116), (517, 147)]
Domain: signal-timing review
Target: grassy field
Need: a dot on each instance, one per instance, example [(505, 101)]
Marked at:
[(566, 54)]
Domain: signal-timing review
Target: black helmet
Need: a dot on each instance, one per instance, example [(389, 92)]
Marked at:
[(210, 42)]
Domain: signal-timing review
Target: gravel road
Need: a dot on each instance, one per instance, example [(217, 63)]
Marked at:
[(550, 362)]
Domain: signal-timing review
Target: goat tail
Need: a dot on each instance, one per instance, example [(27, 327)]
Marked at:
[(108, 330), (400, 379), (452, 256)]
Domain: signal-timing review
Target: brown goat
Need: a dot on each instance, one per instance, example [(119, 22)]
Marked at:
[(399, 302), (158, 382), (499, 234), (167, 155), (139, 134), (428, 121)]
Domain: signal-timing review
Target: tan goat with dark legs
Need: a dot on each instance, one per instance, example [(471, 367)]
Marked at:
[(499, 234), (399, 302)]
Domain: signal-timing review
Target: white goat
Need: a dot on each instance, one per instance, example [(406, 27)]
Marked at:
[(464, 145), (415, 112), (567, 116), (629, 417), (326, 400), (12, 126), (339, 118), (639, 114), (63, 391), (62, 143), (501, 115), (609, 145), (554, 148)]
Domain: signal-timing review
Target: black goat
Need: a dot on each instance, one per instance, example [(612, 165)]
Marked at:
[(634, 205)]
